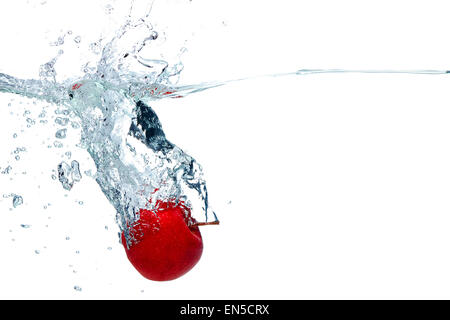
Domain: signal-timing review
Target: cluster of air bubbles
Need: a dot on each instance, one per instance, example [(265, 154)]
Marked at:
[(42, 116), (17, 151), (7, 170), (47, 70), (64, 112), (30, 121), (58, 144), (59, 41), (61, 120)]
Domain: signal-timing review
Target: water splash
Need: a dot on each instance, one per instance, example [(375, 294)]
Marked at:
[(136, 165)]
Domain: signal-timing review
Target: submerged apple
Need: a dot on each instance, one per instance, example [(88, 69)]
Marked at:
[(166, 243)]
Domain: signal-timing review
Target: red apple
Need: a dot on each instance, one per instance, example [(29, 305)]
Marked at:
[(166, 243)]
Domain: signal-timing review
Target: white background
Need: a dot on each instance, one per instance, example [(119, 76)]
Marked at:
[(339, 184)]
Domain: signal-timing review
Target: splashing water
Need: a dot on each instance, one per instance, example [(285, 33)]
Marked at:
[(137, 167)]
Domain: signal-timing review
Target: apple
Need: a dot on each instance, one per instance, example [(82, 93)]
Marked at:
[(165, 242)]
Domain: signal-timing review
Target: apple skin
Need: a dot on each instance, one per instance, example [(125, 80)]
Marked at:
[(165, 244)]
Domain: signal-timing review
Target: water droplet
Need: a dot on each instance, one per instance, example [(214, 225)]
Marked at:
[(95, 47), (64, 112), (58, 42), (62, 121), (37, 251), (76, 174), (17, 201), (18, 150), (58, 144), (61, 134), (65, 175), (88, 173), (26, 226), (77, 39), (15, 135), (109, 9), (75, 125), (154, 35), (77, 288), (7, 170)]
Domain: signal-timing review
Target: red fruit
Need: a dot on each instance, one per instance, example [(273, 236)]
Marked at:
[(165, 243), (76, 86)]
